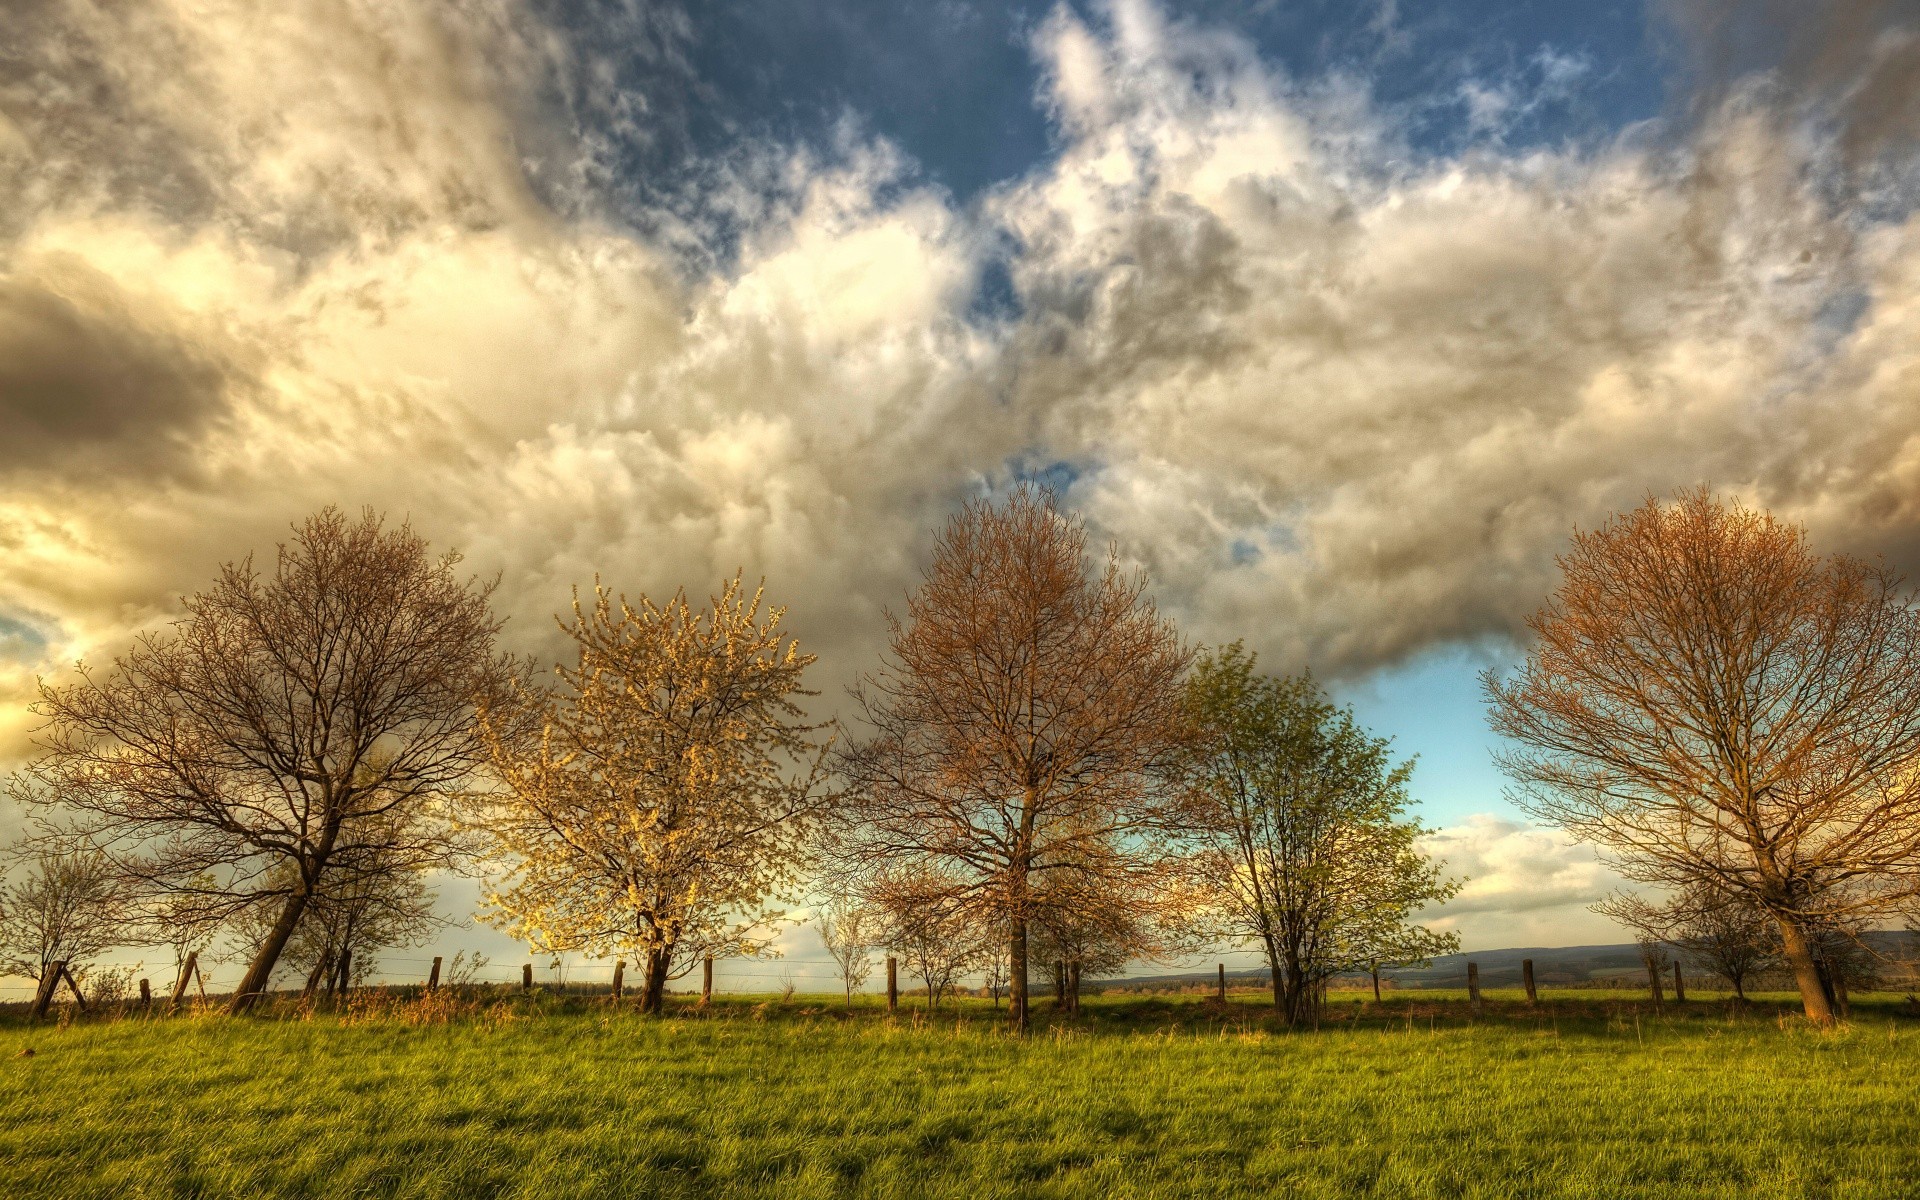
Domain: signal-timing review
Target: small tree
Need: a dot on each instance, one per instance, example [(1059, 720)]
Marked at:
[(1708, 700), (1299, 832), (664, 791), (1022, 724), (188, 918), (928, 926), (1719, 931), (356, 914), (286, 716), (850, 930), (69, 908)]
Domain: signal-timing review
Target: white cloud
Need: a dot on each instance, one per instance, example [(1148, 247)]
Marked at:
[(1525, 885)]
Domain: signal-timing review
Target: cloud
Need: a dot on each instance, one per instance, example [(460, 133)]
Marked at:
[(1341, 397), (1525, 885)]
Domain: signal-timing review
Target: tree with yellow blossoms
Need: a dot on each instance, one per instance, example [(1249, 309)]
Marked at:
[(663, 792)]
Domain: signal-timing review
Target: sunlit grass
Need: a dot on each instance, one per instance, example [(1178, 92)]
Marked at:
[(1594, 1095)]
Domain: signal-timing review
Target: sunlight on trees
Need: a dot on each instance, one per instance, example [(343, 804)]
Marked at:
[(1021, 724), (662, 791), (1708, 700)]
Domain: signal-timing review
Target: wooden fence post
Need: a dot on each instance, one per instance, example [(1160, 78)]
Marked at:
[(526, 977), (1526, 977), (1223, 983), (187, 970), (893, 983), (1679, 984), (706, 981), (1376, 983), (619, 976), (43, 997), (433, 976), (73, 985), (146, 996), (1473, 986)]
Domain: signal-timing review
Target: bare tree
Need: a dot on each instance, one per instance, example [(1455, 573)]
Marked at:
[(355, 914), (664, 791), (850, 930), (1719, 931), (1707, 699), (69, 908), (1087, 927), (285, 716), (1025, 713), (1300, 832), (927, 923)]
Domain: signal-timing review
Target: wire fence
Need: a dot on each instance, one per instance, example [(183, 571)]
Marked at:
[(399, 971)]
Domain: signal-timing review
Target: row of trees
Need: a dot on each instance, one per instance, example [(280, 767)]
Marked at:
[(1042, 767)]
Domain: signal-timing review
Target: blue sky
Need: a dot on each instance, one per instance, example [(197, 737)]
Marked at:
[(955, 84)]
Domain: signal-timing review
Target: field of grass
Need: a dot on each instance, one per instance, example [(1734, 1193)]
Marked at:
[(1593, 1095)]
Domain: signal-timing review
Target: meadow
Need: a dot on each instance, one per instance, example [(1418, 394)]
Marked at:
[(1590, 1094)]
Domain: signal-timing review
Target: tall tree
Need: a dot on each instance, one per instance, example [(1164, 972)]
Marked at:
[(1709, 700), (286, 715), (664, 791), (1021, 722), (1301, 833)]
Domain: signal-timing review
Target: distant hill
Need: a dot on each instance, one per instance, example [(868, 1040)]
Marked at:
[(1553, 966)]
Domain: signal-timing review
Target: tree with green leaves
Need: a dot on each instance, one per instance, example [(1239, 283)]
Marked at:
[(1300, 831)]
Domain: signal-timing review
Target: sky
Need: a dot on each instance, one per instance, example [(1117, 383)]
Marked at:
[(1334, 318)]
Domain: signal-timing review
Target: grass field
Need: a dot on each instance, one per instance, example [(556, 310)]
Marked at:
[(1591, 1096)]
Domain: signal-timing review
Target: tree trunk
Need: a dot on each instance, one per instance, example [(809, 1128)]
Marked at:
[(1806, 973), (1274, 975), (654, 998), (1073, 988), (320, 968), (254, 983), (1017, 975)]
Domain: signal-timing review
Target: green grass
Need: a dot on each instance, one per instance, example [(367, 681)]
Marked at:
[(1593, 1096)]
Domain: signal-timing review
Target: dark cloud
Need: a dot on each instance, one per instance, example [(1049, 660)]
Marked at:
[(84, 387), (1854, 64)]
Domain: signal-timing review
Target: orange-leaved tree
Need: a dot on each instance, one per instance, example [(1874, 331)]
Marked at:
[(1709, 700)]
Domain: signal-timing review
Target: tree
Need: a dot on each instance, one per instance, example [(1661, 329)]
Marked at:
[(850, 930), (354, 915), (1088, 927), (1717, 930), (663, 791), (927, 923), (1300, 834), (69, 908), (1022, 722), (1708, 700), (286, 716)]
